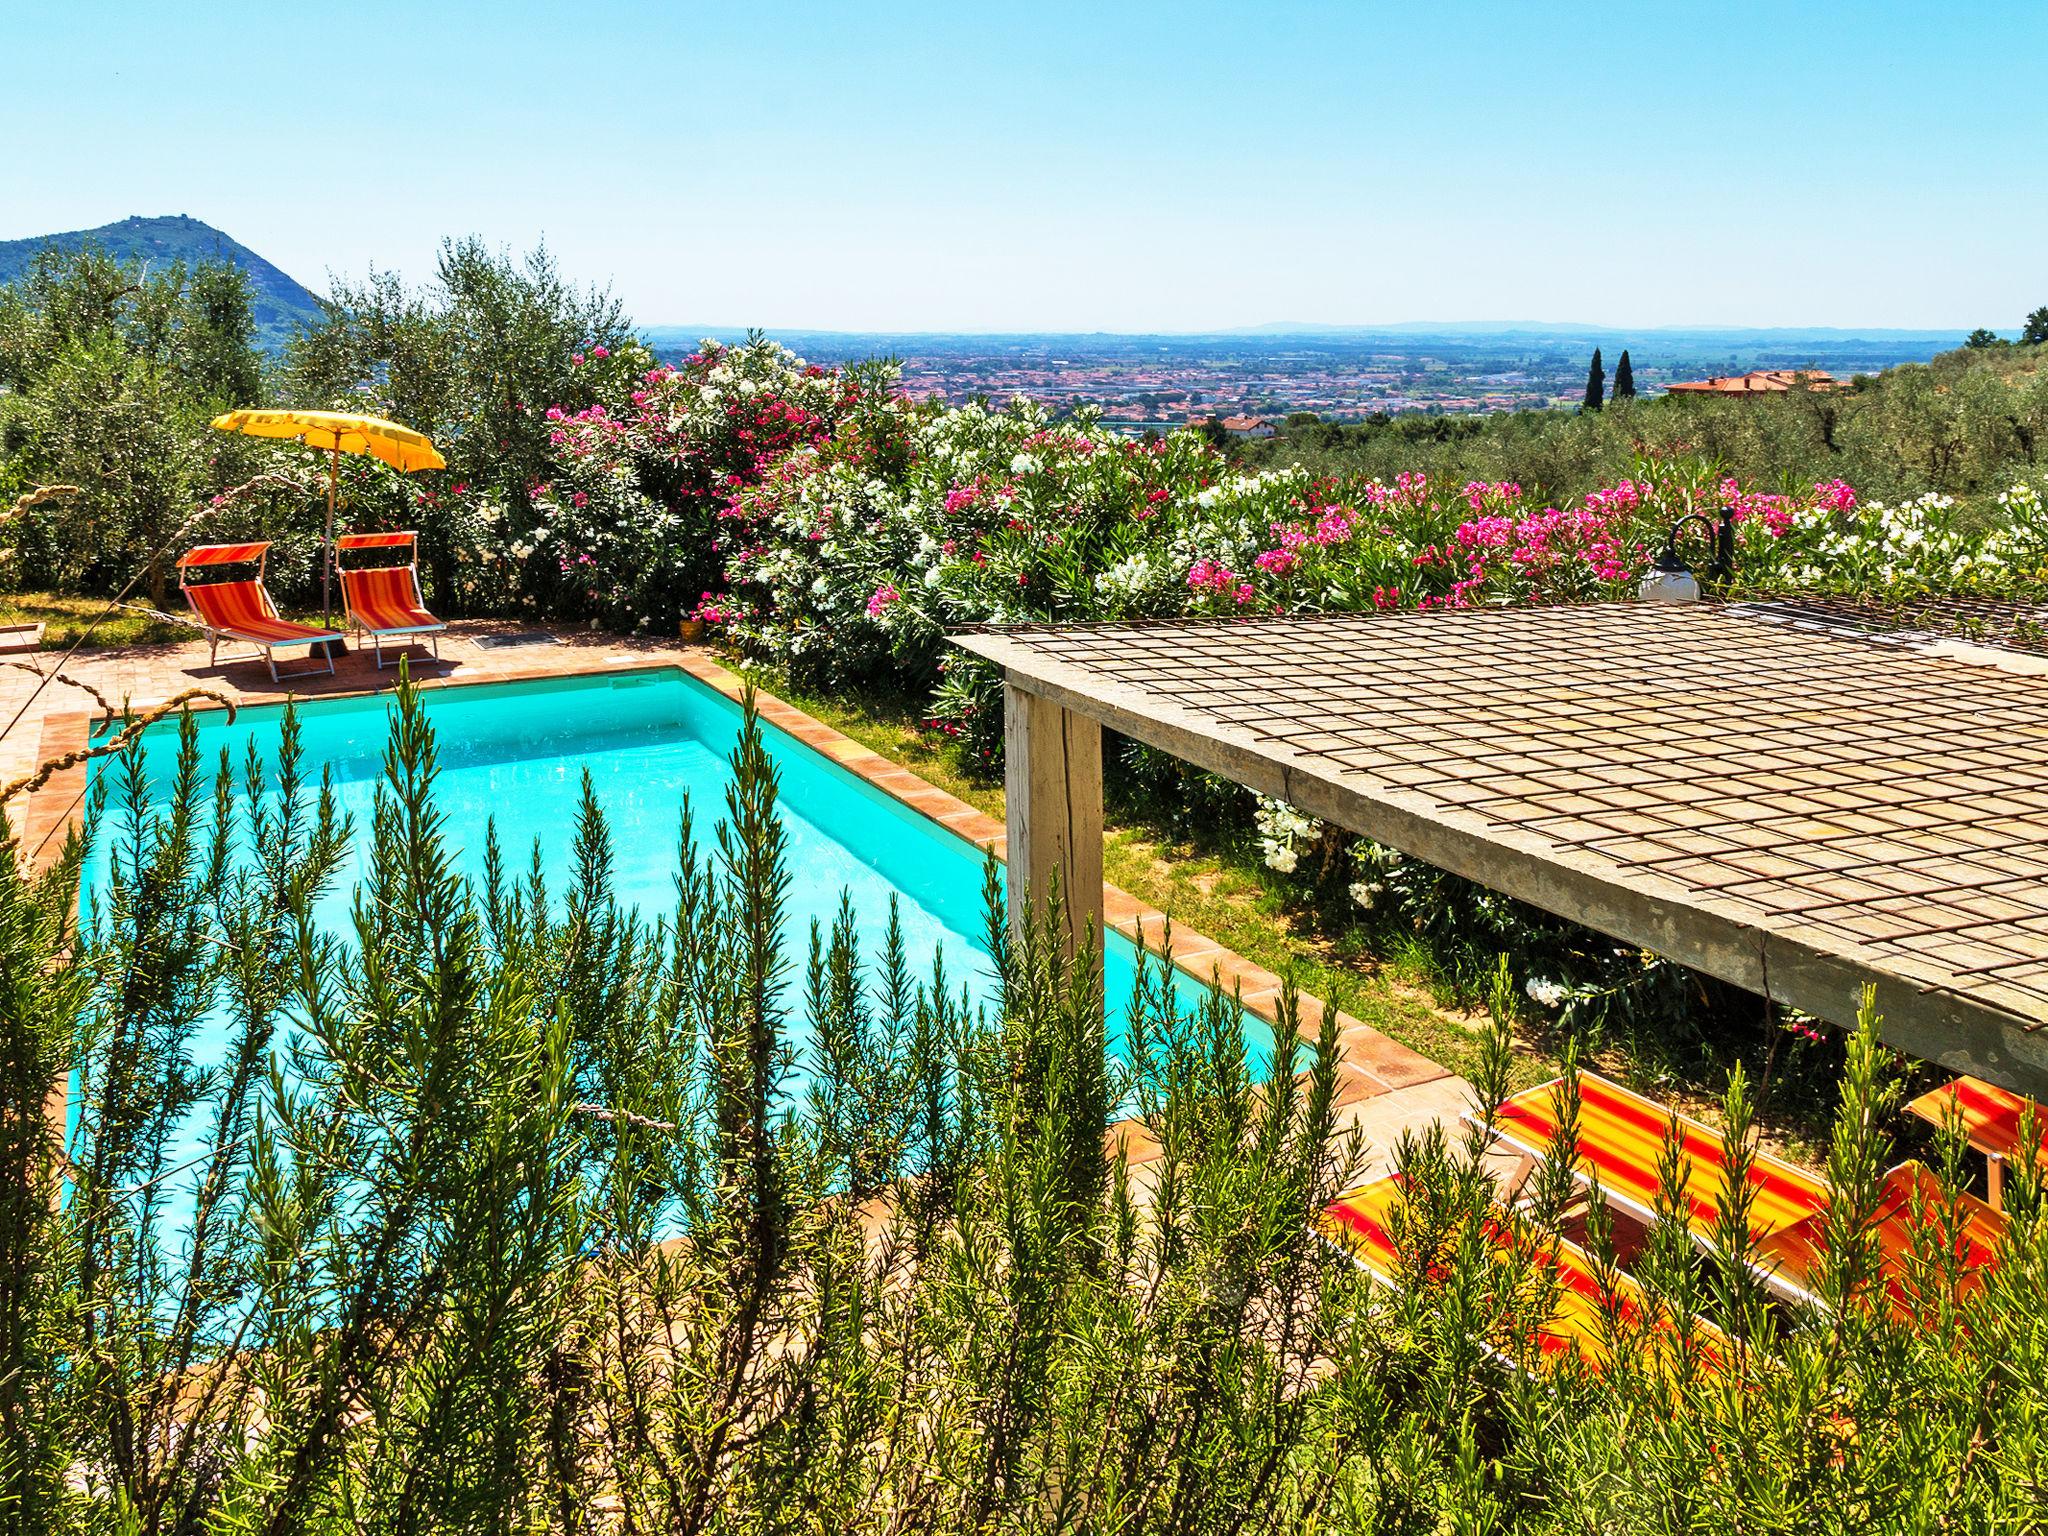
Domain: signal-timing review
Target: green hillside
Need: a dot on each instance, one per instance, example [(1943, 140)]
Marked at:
[(281, 302)]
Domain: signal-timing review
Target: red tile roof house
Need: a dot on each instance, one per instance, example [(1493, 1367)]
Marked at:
[(1765, 381)]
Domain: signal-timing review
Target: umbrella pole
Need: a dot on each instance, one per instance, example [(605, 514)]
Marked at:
[(327, 547)]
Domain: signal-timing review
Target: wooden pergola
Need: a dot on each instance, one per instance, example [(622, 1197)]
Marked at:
[(1797, 807)]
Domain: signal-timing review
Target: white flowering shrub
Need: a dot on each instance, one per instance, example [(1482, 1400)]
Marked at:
[(1928, 542), (1284, 834), (628, 523)]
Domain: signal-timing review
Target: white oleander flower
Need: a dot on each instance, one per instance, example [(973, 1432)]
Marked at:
[(1546, 994)]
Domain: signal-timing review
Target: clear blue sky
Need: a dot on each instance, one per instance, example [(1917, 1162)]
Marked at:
[(1083, 166)]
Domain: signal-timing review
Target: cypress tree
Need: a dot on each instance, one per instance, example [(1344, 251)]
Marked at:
[(1596, 383), (1624, 379)]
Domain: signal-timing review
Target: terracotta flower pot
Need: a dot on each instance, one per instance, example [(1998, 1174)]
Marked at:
[(691, 629)]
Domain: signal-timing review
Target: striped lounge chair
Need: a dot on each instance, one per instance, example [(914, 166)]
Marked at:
[(1621, 1138), (383, 597), (241, 610), (1979, 1233), (1362, 1222)]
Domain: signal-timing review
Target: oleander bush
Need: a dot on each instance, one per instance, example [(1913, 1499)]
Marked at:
[(1005, 516), (497, 1212)]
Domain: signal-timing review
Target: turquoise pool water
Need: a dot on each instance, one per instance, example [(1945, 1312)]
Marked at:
[(515, 753)]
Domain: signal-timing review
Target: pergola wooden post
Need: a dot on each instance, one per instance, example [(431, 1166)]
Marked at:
[(1052, 782)]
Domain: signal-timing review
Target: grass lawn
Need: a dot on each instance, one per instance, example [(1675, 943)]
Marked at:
[(64, 619), (1219, 894)]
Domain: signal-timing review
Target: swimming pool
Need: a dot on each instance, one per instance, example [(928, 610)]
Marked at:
[(514, 755)]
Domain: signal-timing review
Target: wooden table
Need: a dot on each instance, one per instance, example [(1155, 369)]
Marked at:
[(1990, 1118)]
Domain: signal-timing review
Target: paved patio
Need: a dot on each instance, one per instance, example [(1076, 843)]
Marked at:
[(1385, 1089)]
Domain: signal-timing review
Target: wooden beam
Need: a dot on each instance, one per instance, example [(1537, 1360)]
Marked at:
[(1052, 781)]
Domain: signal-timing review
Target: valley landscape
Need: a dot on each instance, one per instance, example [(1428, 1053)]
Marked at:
[(1341, 373)]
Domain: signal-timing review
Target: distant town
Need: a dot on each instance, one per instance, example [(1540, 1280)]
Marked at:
[(1255, 380)]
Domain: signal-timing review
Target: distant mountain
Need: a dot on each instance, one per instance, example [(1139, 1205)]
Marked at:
[(280, 301)]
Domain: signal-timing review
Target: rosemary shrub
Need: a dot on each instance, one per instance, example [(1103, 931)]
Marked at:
[(502, 1211)]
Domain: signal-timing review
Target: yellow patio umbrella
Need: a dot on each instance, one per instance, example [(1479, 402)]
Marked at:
[(336, 433)]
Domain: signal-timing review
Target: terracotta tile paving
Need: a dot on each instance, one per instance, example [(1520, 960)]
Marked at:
[(47, 720)]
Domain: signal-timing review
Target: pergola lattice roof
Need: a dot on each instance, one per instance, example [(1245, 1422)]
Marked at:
[(1794, 807)]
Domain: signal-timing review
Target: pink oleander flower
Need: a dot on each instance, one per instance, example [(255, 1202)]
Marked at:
[(1333, 527), (1478, 492), (1277, 562), (1834, 496), (1484, 533), (1408, 490), (1774, 512), (1243, 593), (1207, 575), (1622, 496), (599, 352), (885, 596), (576, 360)]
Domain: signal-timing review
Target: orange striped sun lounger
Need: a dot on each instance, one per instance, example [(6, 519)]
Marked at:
[(1621, 1139), (1991, 1117), (1362, 1222), (242, 610), (1979, 1235), (384, 599)]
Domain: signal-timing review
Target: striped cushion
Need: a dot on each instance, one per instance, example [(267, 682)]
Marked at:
[(385, 599), (1621, 1137), (1363, 1222), (244, 610)]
